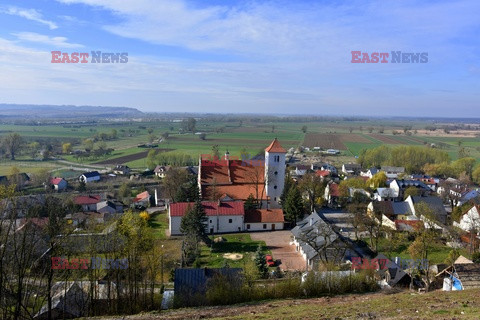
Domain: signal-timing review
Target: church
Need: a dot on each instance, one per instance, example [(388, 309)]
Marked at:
[(226, 183), (237, 179)]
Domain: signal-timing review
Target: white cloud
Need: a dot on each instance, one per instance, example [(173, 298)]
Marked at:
[(56, 42), (30, 14)]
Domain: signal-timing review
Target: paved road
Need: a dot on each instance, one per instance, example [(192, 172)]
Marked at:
[(279, 243)]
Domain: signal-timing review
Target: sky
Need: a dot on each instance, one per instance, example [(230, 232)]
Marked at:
[(230, 56)]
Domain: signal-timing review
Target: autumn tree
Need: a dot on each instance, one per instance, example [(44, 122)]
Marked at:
[(312, 186), (66, 148), (378, 180), (411, 191)]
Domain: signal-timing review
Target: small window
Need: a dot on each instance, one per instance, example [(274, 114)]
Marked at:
[(248, 226), (229, 220), (275, 187), (275, 173), (275, 199), (210, 221), (264, 226)]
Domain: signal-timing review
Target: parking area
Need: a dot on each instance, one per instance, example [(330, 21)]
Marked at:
[(279, 243)]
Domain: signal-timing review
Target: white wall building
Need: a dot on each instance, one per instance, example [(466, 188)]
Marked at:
[(470, 220), (222, 216), (274, 170)]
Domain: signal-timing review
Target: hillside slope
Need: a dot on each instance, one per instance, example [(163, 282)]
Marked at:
[(404, 305)]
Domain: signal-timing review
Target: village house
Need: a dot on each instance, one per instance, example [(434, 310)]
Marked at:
[(434, 203), (161, 171), (390, 212), (222, 216), (324, 166), (432, 183), (385, 194), (191, 285), (332, 193), (142, 200), (351, 168), (88, 202), (369, 173), (401, 185), (470, 220), (58, 184), (317, 242), (463, 194), (121, 169), (392, 172), (90, 177), (264, 179)]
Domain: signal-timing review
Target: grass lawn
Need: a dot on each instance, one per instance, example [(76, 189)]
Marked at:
[(240, 243), (159, 223)]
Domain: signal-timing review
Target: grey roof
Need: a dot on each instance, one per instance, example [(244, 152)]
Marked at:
[(317, 232), (435, 203), (91, 174), (194, 281), (411, 183), (401, 208), (393, 169), (352, 166)]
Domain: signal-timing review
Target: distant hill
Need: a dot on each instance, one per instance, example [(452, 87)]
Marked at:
[(31, 111)]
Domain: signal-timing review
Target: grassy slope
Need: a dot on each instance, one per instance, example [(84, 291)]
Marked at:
[(404, 305)]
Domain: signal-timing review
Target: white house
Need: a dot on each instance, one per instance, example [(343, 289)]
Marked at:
[(470, 220), (369, 173), (385, 194), (464, 195), (121, 169), (264, 219), (90, 176), (161, 171), (222, 216)]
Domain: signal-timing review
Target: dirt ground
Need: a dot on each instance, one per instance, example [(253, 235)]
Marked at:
[(279, 243)]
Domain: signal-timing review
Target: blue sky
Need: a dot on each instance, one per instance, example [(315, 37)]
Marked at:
[(279, 57)]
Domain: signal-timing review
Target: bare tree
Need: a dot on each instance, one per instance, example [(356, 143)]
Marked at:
[(13, 143)]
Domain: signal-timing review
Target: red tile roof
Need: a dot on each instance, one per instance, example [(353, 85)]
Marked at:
[(264, 216), (275, 147), (230, 172), (83, 200), (141, 196), (322, 173), (334, 191), (56, 180), (237, 191), (228, 208)]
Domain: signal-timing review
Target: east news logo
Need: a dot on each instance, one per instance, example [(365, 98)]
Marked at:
[(396, 57), (82, 57)]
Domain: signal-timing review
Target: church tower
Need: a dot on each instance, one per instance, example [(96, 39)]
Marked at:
[(274, 170)]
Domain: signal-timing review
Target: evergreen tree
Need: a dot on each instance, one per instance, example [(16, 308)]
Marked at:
[(293, 206), (288, 184), (251, 203), (188, 192), (261, 262)]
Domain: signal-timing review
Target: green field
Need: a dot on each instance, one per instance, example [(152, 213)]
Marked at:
[(233, 136)]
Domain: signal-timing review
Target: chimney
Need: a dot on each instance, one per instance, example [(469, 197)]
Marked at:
[(156, 197), (227, 155), (311, 221)]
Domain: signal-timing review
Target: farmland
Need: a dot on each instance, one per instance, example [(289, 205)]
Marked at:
[(248, 135)]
